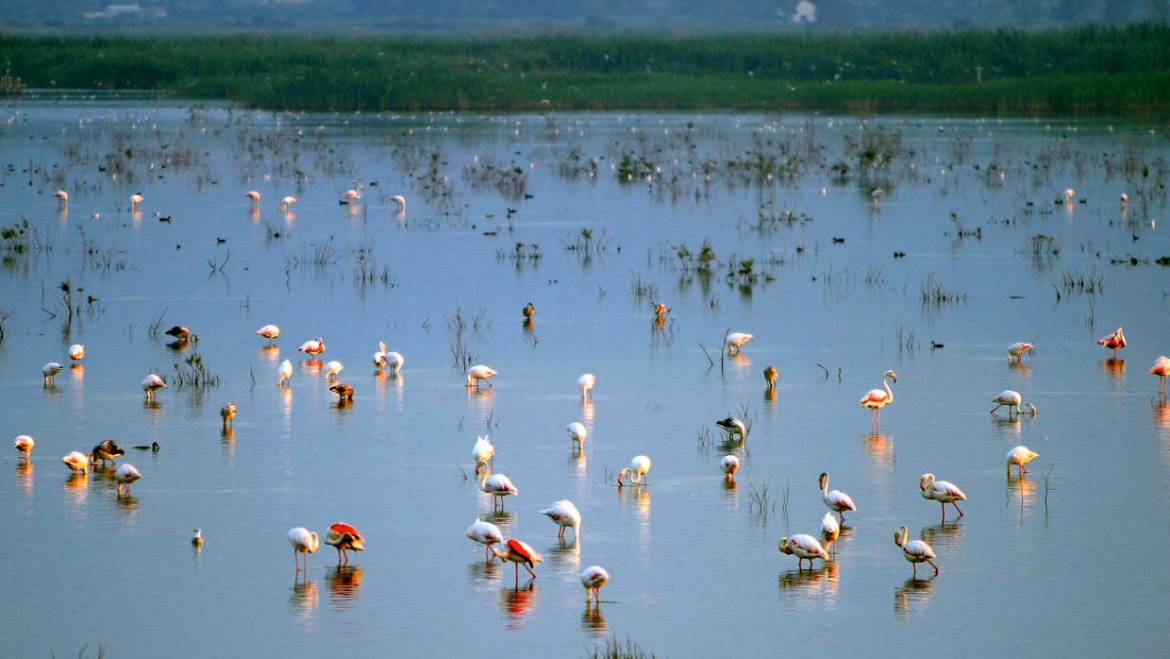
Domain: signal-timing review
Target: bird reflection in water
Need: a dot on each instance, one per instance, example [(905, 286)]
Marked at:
[(77, 489), (593, 620), (77, 372), (345, 581), (313, 366), (880, 449), (740, 360), (825, 581), (479, 403), (500, 518), (1021, 367), (566, 554), (127, 504), (639, 497), (24, 477), (578, 462), (518, 604), (1007, 426), (944, 535), (270, 353), (484, 572), (303, 600), (771, 397), (1024, 489), (913, 593), (254, 214), (1161, 410), (1114, 368), (588, 412), (227, 439)]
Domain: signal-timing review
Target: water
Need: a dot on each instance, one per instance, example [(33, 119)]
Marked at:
[(1073, 567)]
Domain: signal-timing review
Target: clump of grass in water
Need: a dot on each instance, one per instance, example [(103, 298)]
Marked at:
[(1090, 284), (194, 373), (642, 289), (704, 439), (761, 505), (935, 295), (615, 649)]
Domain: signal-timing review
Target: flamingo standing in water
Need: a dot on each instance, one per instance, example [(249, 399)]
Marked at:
[(805, 548), (77, 352), (24, 445), (286, 371), (77, 462), (660, 310), (401, 201), (636, 472), (483, 451), (344, 392), (313, 347), (1115, 341), (529, 312), (736, 341), (729, 465), (228, 414), (62, 198), (151, 384), (1020, 456), (486, 534), (836, 500), (771, 375), (125, 476), (1161, 369), (287, 203), (586, 382), (49, 371), (344, 537), (499, 486), (914, 551), (943, 492), (107, 451), (577, 432), (1014, 401), (830, 530), (384, 358), (332, 369), (136, 200), (520, 553), (480, 373), (1016, 351), (270, 332), (305, 542), (734, 427), (876, 399), (254, 196), (566, 516), (594, 578)]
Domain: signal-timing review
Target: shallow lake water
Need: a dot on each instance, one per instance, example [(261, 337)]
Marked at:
[(506, 210)]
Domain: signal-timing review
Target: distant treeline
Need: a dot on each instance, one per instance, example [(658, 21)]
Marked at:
[(1092, 70)]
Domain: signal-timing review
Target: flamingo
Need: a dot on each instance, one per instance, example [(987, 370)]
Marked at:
[(577, 432), (313, 346), (401, 201), (197, 537), (288, 202), (915, 551), (76, 352), (351, 195), (179, 332), (1020, 456), (49, 371), (529, 312), (736, 341), (24, 445), (1115, 341), (228, 414), (876, 399), (483, 452), (566, 515), (1161, 369), (594, 578), (136, 200), (77, 462), (270, 332), (286, 371), (830, 530), (152, 383), (1124, 199), (499, 486), (344, 537), (520, 553), (729, 465), (387, 359), (254, 196), (943, 492), (636, 472), (125, 476), (479, 373), (344, 392), (62, 197), (837, 501), (1069, 195), (305, 542), (661, 310), (805, 548), (586, 382), (1016, 351), (486, 534), (1013, 400), (733, 426), (771, 375), (106, 451), (332, 369)]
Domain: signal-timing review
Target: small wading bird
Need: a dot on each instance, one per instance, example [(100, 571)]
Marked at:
[(1016, 351), (636, 472), (577, 432), (499, 486), (77, 462), (1161, 369), (736, 341), (1115, 341), (914, 551), (401, 201), (482, 452), (107, 451), (805, 548), (179, 332), (1020, 456), (594, 578), (49, 372), (344, 537), (125, 476), (76, 352), (270, 332), (286, 371), (943, 492), (332, 369), (830, 530), (480, 373), (520, 553), (771, 375), (734, 427), (585, 383), (876, 399), (197, 537), (62, 197), (529, 312), (1014, 401), (313, 346), (305, 542), (152, 383), (344, 392), (729, 465), (836, 500), (566, 516), (24, 445), (660, 310), (486, 534), (228, 414)]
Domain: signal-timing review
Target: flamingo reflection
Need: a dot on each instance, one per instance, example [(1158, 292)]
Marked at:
[(518, 604), (24, 477), (345, 582), (593, 620), (912, 593), (304, 598), (825, 580)]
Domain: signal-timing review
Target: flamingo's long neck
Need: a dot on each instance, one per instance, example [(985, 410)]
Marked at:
[(825, 487), (889, 391)]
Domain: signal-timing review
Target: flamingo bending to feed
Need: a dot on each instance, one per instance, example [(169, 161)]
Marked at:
[(594, 578), (1115, 341), (520, 553), (125, 476), (151, 384), (228, 414), (736, 341), (636, 472), (136, 200), (179, 332), (914, 551), (344, 391), (384, 358), (77, 352), (401, 201), (270, 332), (288, 202), (49, 371), (1016, 351), (499, 486), (943, 492), (286, 371), (733, 426), (486, 534), (586, 383), (480, 373), (1161, 369), (24, 445), (62, 197), (577, 432), (771, 375), (1020, 456), (77, 462), (332, 369), (529, 312), (313, 346), (566, 516), (352, 195), (836, 500), (876, 399), (729, 465), (1069, 195), (305, 542), (197, 537), (107, 451), (483, 451), (805, 548), (344, 537), (254, 196), (830, 530), (1014, 402)]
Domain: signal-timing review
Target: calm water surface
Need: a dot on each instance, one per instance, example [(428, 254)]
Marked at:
[(1074, 568)]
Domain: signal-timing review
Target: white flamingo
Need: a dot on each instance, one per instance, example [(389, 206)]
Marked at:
[(125, 477), (24, 445), (304, 542), (943, 492), (332, 370), (1020, 456), (586, 383), (577, 432), (152, 383), (49, 371), (270, 332), (594, 578), (483, 451), (566, 516), (636, 472), (830, 530), (836, 500), (804, 547), (876, 399), (77, 352), (486, 534), (1013, 400), (736, 341), (286, 372), (729, 465), (914, 551), (1016, 351), (499, 486), (480, 373)]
